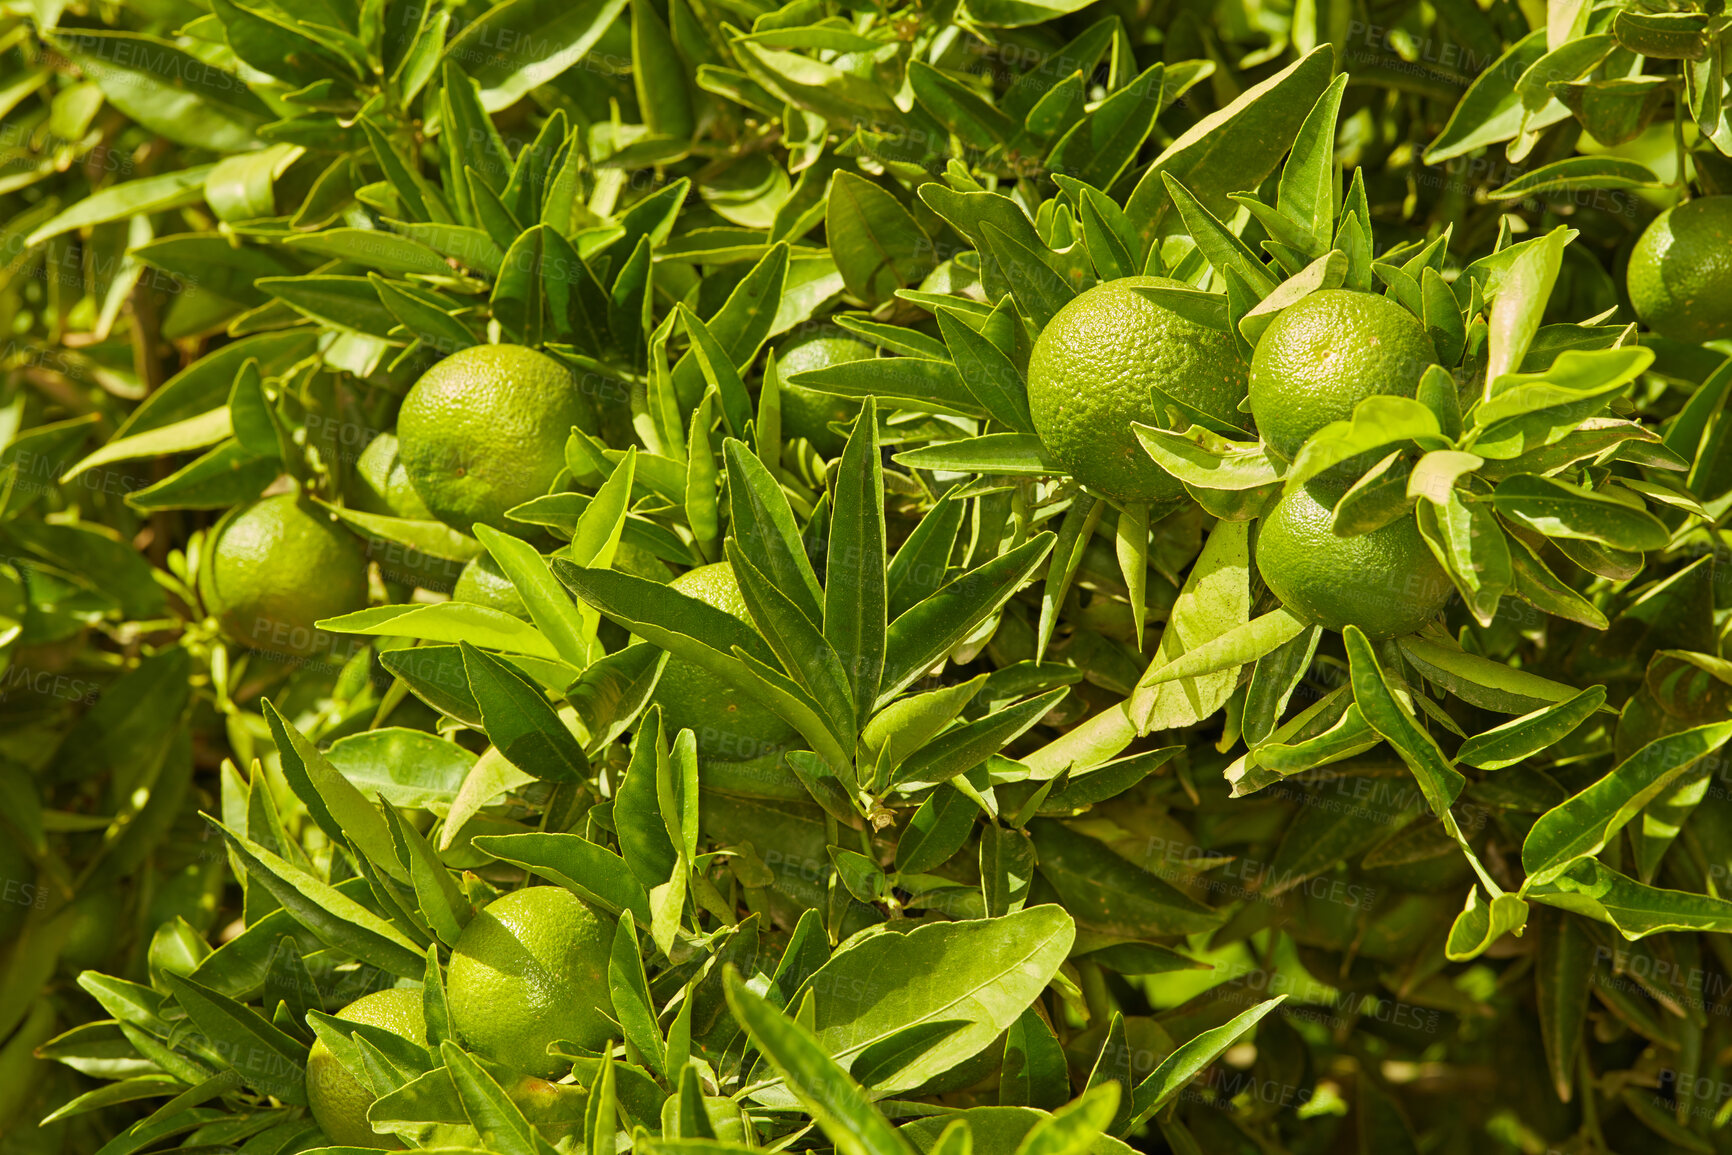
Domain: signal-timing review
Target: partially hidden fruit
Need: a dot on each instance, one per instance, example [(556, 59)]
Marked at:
[(807, 412), (338, 1100), (483, 583), (276, 567), (382, 485), (531, 969), (485, 430), (1092, 373), (1386, 582), (729, 724), (1325, 354), (1680, 274)]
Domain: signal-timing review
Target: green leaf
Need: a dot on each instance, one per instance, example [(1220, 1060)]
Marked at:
[(268, 1060), (334, 918), (994, 967), (987, 373), (1073, 1128), (1038, 290), (1223, 250), (1306, 194), (1001, 453), (1580, 827), (1532, 733), (1231, 149), (1109, 894), (1491, 109), (521, 722), (765, 531), (1558, 509), (521, 44), (1189, 1058), (1636, 910), (1518, 304), (961, 749), (877, 244), (1563, 966), (1438, 779), (1207, 460), (549, 606), (1239, 646), (835, 1101), (1468, 542), (632, 1007), (1482, 923), (340, 810), (594, 873), (1576, 173), (450, 622), (921, 636), (1481, 681), (1101, 145), (1377, 421), (855, 613), (167, 89), (500, 1122)]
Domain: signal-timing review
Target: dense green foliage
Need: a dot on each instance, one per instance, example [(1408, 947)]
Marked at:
[(717, 714)]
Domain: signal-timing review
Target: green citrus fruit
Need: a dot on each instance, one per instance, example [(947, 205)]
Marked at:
[(528, 970), (485, 430), (382, 484), (1386, 582), (1680, 275), (1325, 354), (1091, 373), (729, 724), (338, 1100), (807, 412), (483, 583), (278, 566)]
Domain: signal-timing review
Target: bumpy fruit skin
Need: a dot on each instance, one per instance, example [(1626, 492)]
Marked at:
[(382, 485), (528, 970), (728, 723), (485, 430), (338, 1100), (278, 566), (1386, 582), (1680, 274), (1324, 355), (483, 583), (808, 412), (1090, 375)]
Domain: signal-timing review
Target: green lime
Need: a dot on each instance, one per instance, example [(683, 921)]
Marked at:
[(729, 724), (382, 485), (1091, 374), (483, 583), (1680, 275), (1386, 582), (531, 969), (338, 1100), (485, 430), (278, 566), (1324, 355), (808, 412)]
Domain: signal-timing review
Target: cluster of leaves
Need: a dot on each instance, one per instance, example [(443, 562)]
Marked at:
[(1086, 842)]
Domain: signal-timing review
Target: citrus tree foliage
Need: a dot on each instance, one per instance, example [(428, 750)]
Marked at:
[(1069, 835)]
